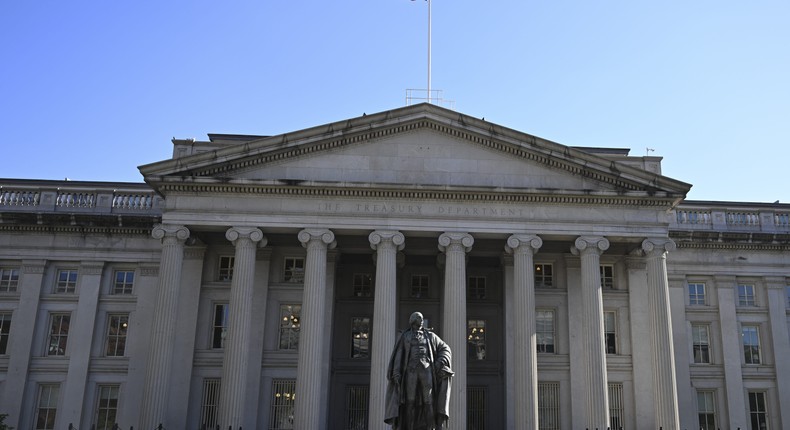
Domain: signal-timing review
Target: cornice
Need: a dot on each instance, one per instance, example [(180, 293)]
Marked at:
[(27, 228), (734, 246)]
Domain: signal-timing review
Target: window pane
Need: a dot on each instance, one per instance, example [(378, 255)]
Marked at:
[(746, 295), (220, 325), (225, 272), (116, 335), (9, 279), (544, 277), (47, 407), (363, 285), (419, 286), (107, 409), (124, 282), (616, 405), (696, 294), (476, 339), (476, 288), (66, 281), (58, 334), (5, 332), (706, 410), (357, 407), (544, 330), (548, 405), (476, 407), (294, 269), (360, 337), (282, 404), (210, 404), (289, 326), (610, 332), (751, 344)]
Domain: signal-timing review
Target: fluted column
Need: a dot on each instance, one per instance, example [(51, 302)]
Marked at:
[(590, 249), (455, 245), (387, 244), (237, 342), (664, 382), (311, 350), (163, 327), (525, 370)]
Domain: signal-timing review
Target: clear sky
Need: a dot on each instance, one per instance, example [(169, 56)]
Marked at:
[(89, 90)]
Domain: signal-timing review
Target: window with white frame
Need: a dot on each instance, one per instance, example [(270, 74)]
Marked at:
[(548, 405), (5, 331), (544, 330), (9, 279), (281, 416), (746, 295), (758, 410), (290, 322), (419, 286), (476, 339), (117, 329), (107, 407), (219, 326), (58, 333), (124, 282), (607, 276), (700, 343), (66, 281), (610, 331), (615, 392), (47, 406), (360, 337), (696, 294), (357, 399), (544, 275), (476, 288), (225, 270), (294, 269), (209, 406), (363, 285), (476, 407), (706, 409), (751, 344)]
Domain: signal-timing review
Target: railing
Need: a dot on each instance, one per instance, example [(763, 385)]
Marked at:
[(18, 198), (693, 216), (75, 200), (751, 219), (66, 196), (768, 218)]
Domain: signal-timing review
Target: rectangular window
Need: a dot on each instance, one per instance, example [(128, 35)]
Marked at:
[(9, 279), (700, 338), (544, 330), (419, 286), (282, 404), (58, 333), (294, 269), (544, 276), (751, 344), (47, 406), (706, 410), (67, 282), (548, 406), (357, 407), (696, 294), (363, 285), (5, 332), (107, 409), (758, 410), (209, 407), (290, 316), (607, 276), (360, 337), (124, 282), (476, 407), (219, 327), (746, 295), (610, 331), (225, 271), (476, 339), (116, 334), (615, 405), (476, 288), (787, 293)]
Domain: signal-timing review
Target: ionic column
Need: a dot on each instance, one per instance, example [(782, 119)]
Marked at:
[(590, 248), (237, 342), (311, 345), (525, 370), (455, 245), (163, 327), (664, 382), (387, 244)]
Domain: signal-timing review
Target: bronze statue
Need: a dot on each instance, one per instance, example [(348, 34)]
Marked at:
[(419, 373)]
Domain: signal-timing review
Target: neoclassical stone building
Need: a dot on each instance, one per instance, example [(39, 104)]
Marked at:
[(260, 282)]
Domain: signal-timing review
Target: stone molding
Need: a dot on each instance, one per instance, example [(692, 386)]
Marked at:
[(323, 235), (454, 238), (597, 244), (378, 237), (522, 242), (162, 231), (252, 233), (91, 267), (34, 267), (658, 246)]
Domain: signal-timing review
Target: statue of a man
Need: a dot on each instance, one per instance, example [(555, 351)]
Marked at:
[(419, 373)]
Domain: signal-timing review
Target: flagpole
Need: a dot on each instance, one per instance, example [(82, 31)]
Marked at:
[(429, 51)]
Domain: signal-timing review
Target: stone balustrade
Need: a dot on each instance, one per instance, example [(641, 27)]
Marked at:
[(731, 217), (79, 197)]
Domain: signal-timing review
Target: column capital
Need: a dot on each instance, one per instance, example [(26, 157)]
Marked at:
[(456, 238), (252, 233), (776, 282), (320, 235), (657, 246), (379, 237), (597, 244), (170, 231), (523, 243)]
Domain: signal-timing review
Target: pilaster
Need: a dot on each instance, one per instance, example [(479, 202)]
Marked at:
[(733, 352), (780, 338), (641, 350)]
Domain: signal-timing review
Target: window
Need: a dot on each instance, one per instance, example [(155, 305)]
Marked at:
[(548, 406), (787, 293), (360, 337), (124, 282), (610, 331), (476, 407), (107, 409), (476, 339), (289, 326), (209, 408), (607, 276), (225, 272), (476, 288), (47, 406), (5, 332), (282, 404), (615, 391), (758, 411), (58, 333), (116, 334), (9, 279), (67, 282), (219, 327), (544, 277), (746, 295), (544, 330), (363, 285), (357, 407), (294, 269), (696, 294), (419, 286), (700, 338), (751, 344), (706, 410)]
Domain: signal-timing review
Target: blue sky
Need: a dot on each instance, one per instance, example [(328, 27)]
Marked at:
[(89, 90)]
